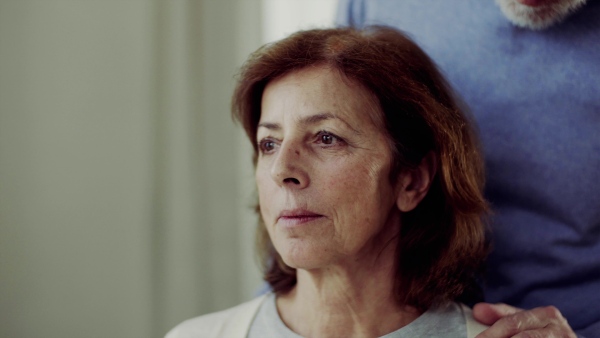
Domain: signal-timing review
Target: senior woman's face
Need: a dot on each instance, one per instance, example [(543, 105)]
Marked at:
[(323, 170)]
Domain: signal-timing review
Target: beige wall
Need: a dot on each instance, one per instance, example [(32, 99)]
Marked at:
[(120, 202)]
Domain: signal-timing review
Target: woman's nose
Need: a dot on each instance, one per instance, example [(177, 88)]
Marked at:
[(289, 167)]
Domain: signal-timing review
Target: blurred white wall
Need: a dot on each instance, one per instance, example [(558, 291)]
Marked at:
[(126, 191), (283, 17)]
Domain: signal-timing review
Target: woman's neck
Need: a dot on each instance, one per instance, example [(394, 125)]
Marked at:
[(353, 300)]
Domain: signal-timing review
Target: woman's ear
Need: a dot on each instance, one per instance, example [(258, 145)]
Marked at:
[(414, 184)]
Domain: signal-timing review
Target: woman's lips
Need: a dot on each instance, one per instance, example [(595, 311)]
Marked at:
[(291, 218)]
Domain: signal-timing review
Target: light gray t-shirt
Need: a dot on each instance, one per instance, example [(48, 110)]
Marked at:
[(447, 321)]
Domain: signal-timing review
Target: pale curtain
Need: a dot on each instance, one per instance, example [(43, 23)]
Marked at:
[(125, 188)]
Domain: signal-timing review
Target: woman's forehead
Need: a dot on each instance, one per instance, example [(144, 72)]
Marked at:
[(317, 92)]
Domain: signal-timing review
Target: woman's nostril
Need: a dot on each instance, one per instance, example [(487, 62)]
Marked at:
[(292, 180)]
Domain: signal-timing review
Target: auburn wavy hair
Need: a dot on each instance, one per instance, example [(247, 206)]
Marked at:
[(442, 241)]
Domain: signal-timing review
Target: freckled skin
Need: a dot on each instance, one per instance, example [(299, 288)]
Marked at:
[(347, 181)]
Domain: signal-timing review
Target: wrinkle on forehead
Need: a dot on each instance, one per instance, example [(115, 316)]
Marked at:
[(370, 103)]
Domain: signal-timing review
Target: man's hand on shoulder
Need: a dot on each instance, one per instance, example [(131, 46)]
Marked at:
[(509, 321)]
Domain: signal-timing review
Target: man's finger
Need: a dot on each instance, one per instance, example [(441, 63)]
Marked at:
[(550, 331), (488, 314), (521, 321)]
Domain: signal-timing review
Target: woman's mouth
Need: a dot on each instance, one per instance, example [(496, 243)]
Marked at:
[(296, 217)]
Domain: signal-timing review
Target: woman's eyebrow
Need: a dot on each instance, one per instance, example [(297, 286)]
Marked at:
[(309, 120), (269, 125), (314, 119)]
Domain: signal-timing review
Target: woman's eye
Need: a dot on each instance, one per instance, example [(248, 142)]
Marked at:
[(266, 146), (328, 139)]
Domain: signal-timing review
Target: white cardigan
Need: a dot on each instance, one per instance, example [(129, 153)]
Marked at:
[(236, 321)]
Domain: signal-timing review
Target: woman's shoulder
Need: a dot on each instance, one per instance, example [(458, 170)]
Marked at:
[(473, 326), (232, 322)]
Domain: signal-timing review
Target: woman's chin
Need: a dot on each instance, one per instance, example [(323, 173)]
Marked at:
[(305, 258)]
